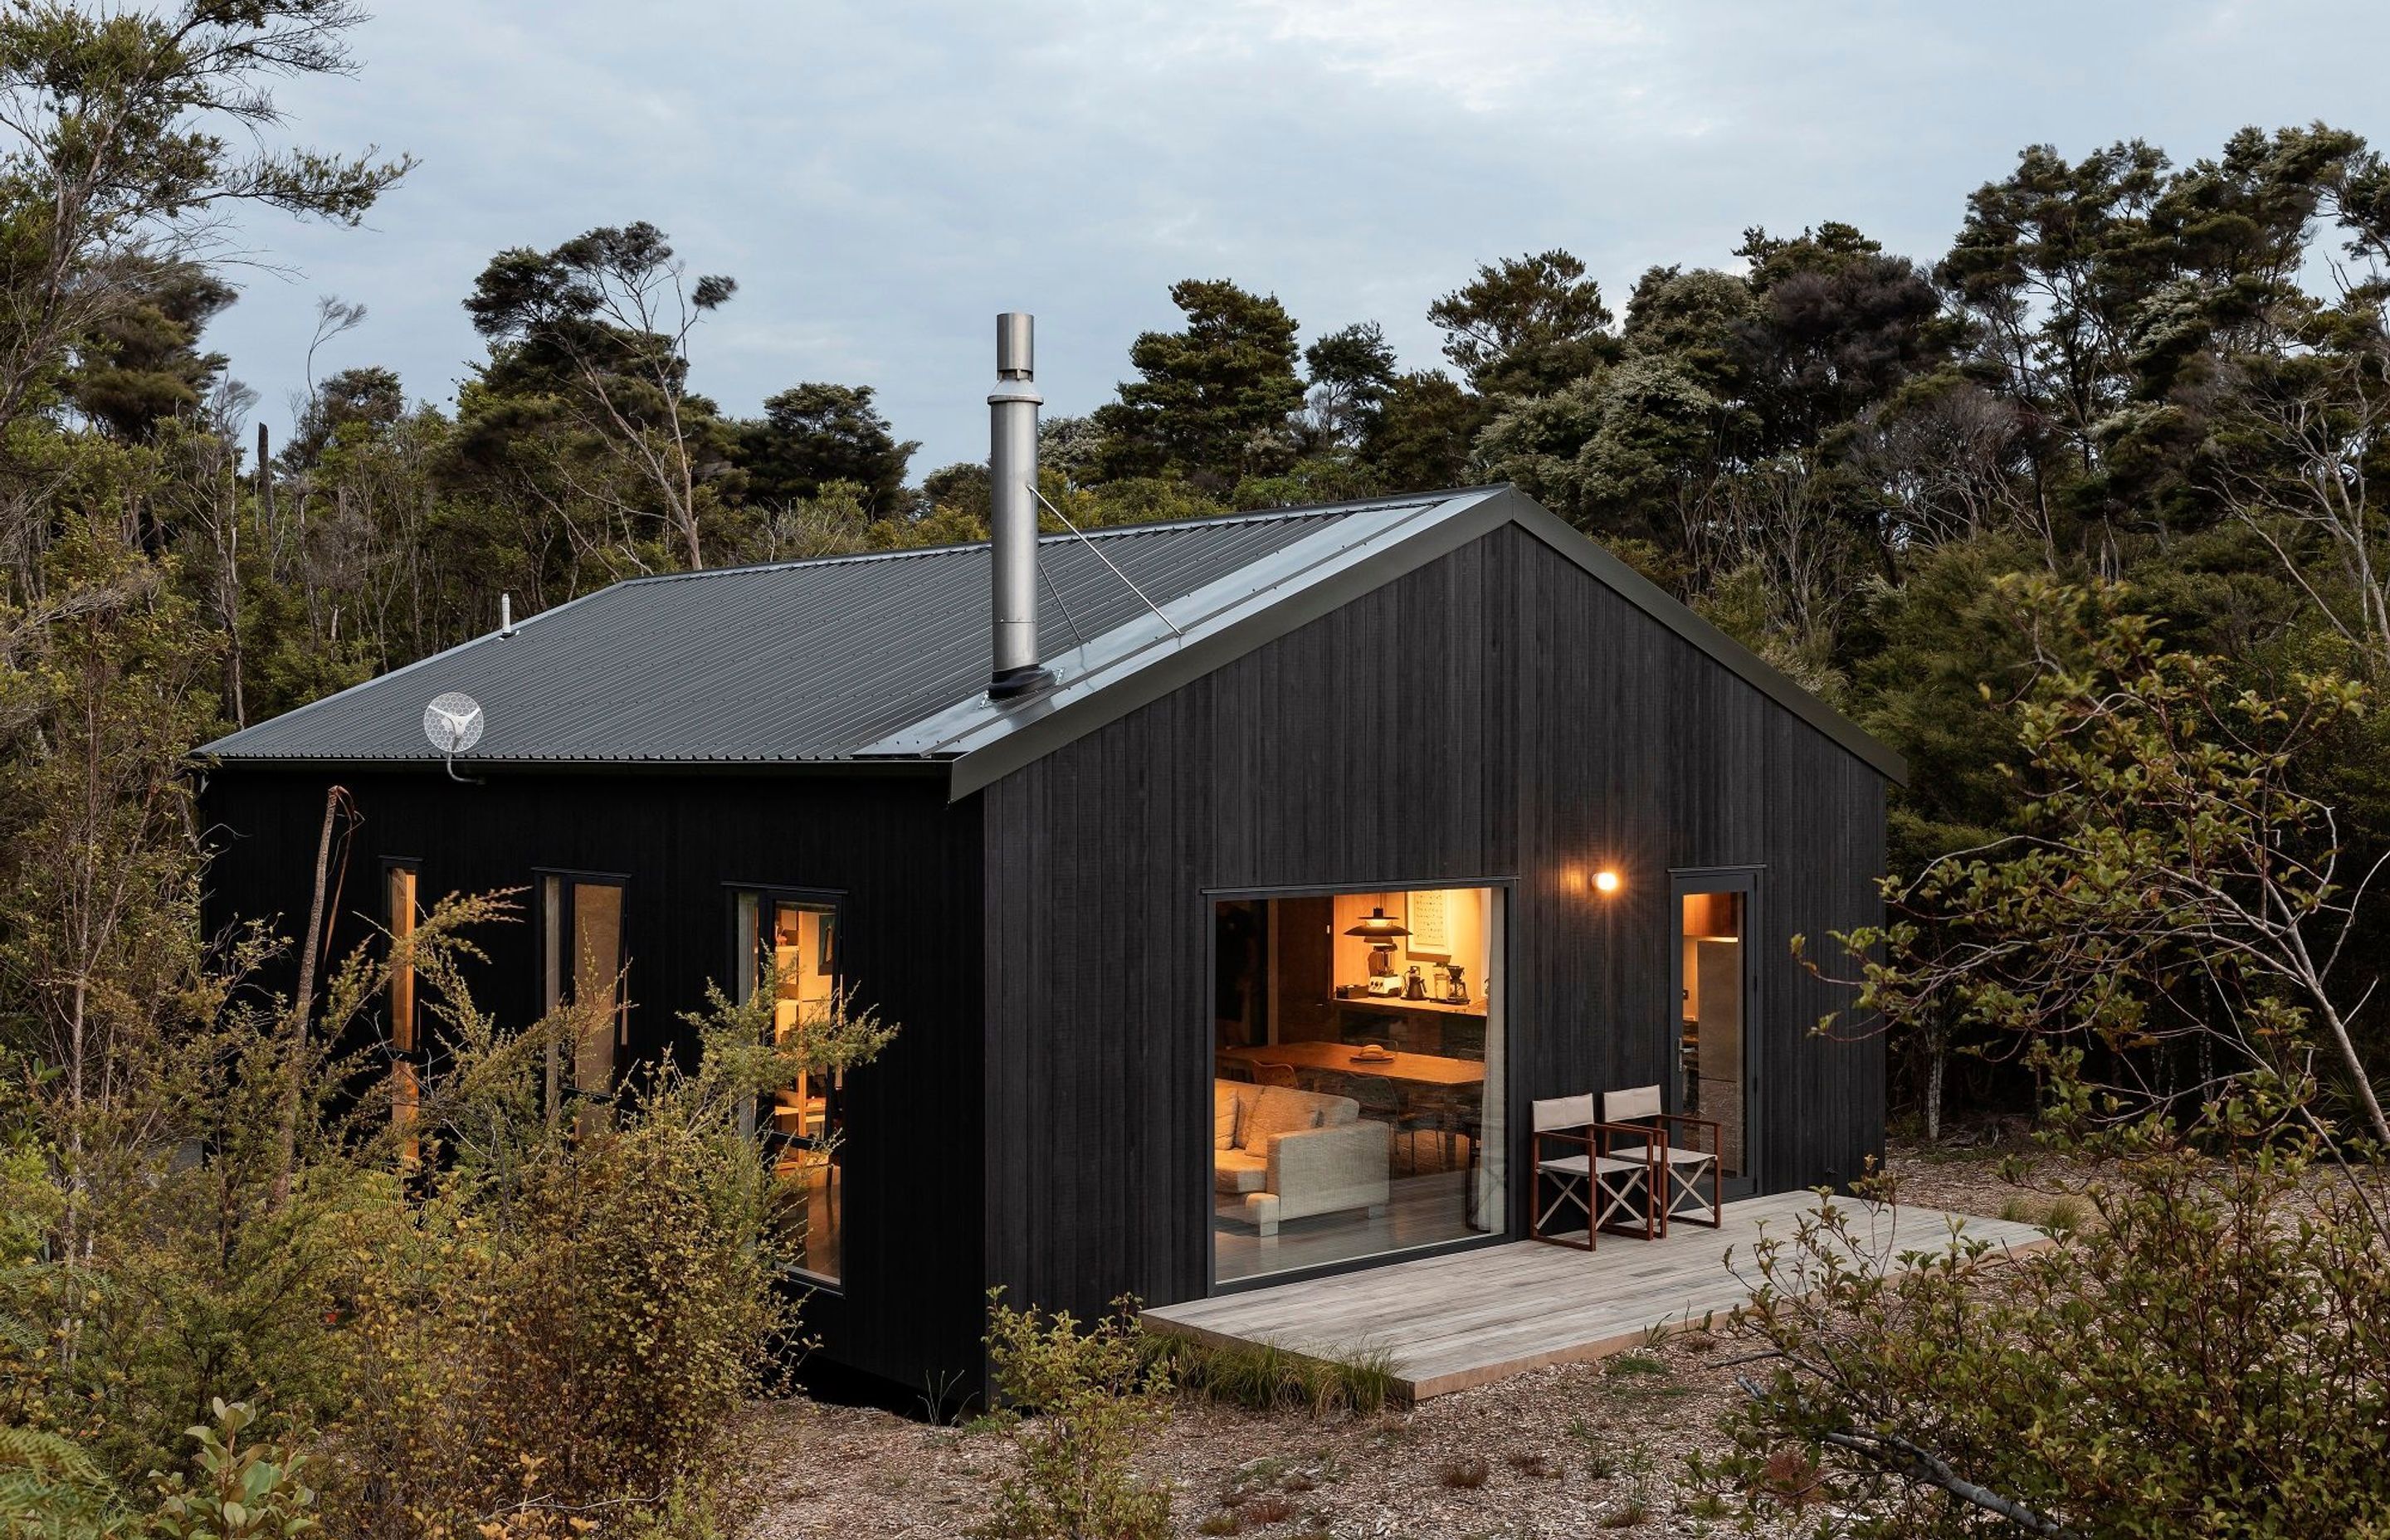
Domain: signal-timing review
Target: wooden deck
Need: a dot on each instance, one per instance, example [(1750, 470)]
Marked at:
[(1464, 1318)]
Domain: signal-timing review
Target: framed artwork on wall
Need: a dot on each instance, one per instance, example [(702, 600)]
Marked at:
[(1429, 923)]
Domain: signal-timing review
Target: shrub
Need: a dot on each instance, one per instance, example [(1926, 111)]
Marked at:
[(243, 1493), (531, 1314), (1088, 1397), (2214, 1343)]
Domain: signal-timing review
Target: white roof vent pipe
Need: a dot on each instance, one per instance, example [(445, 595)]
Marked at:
[(1012, 508)]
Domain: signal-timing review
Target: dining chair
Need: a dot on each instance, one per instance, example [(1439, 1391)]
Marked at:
[(1688, 1165), (1590, 1176), (1266, 1073)]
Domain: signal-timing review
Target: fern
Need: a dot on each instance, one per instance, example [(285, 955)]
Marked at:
[(50, 1490)]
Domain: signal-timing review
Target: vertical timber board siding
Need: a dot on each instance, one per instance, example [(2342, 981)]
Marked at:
[(908, 865), (1496, 713)]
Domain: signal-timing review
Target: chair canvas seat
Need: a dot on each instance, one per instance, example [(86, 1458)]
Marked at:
[(1575, 1165), (1677, 1157)]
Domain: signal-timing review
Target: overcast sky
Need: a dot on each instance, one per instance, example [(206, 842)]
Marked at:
[(882, 177)]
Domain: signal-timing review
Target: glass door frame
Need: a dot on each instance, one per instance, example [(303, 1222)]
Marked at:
[(1514, 1097), (1689, 881)]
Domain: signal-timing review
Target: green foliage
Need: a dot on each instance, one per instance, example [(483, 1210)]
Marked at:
[(1351, 373), (2171, 885), (1525, 326), (516, 1315), (1211, 402), (2204, 1356), (586, 388), (1087, 1398), (815, 435), (243, 1490)]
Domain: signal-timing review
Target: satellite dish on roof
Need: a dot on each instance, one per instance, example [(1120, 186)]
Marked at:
[(453, 722)]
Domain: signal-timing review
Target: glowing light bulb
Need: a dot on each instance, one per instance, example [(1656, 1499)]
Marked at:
[(1605, 881)]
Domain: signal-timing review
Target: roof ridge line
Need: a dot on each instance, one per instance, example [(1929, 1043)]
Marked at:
[(1249, 516)]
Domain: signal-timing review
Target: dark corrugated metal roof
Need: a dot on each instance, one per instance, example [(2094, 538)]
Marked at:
[(794, 661), (883, 658)]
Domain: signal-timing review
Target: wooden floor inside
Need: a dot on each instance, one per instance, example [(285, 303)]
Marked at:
[(1453, 1321)]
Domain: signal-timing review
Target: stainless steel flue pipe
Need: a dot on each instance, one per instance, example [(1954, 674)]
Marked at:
[(1012, 507)]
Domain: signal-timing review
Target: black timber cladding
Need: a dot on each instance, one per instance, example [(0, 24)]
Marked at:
[(1496, 712), (903, 863)]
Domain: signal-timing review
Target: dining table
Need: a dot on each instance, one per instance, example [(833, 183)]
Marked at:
[(1419, 1068)]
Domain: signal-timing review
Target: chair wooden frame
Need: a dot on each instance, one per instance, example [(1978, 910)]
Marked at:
[(1638, 1110), (1608, 1188)]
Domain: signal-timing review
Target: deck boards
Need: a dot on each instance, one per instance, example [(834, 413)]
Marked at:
[(1463, 1320)]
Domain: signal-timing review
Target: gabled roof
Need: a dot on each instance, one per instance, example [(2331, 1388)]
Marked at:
[(881, 660)]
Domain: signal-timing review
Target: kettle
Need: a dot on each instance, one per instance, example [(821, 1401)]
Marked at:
[(1414, 985)]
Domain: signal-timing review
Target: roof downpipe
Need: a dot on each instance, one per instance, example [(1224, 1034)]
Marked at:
[(1012, 509)]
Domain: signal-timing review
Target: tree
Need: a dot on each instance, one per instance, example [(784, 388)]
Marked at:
[(1527, 325), (2046, 270), (1423, 434), (125, 122), (1211, 402), (141, 363), (2174, 903), (369, 397), (598, 331), (1839, 326), (1352, 372), (813, 434)]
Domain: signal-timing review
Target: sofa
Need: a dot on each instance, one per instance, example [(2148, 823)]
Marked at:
[(1289, 1154)]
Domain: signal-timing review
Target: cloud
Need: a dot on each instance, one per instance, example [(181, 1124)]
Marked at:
[(883, 175)]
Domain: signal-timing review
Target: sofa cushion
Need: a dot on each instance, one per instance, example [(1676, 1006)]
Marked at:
[(1227, 1114), (1274, 1110), (1233, 1170)]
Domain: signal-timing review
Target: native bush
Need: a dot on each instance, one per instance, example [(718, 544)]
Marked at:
[(1086, 1398), (514, 1315), (2210, 1357)]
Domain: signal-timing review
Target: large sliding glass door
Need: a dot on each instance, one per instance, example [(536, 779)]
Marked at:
[(1358, 1076), (1715, 1059)]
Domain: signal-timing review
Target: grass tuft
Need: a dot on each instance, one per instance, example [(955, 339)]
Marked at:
[(1264, 1377), (1467, 1473)]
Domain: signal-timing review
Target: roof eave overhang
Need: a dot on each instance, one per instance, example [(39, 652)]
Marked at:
[(487, 769)]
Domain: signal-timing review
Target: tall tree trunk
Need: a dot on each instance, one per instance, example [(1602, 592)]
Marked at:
[(302, 1003), (1937, 1054), (228, 587)]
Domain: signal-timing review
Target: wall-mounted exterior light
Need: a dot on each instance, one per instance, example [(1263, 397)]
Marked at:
[(1605, 881)]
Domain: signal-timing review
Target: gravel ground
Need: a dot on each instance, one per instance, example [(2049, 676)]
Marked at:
[(1559, 1452)]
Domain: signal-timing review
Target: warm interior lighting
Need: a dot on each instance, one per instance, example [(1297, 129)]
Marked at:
[(1380, 926), (1605, 881)]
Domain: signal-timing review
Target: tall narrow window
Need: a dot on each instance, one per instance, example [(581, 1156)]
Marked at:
[(1714, 1068), (580, 930), (789, 944), (406, 1084)]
